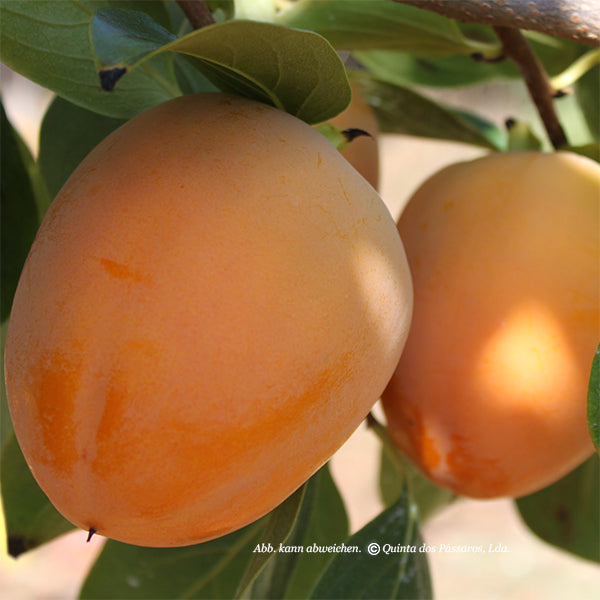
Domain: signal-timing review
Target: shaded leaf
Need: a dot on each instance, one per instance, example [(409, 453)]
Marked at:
[(375, 572), (402, 111), (296, 71), (428, 497), (49, 43), (380, 24), (278, 526), (31, 520), (412, 69), (21, 208), (322, 521), (68, 133), (593, 401), (209, 570), (566, 514)]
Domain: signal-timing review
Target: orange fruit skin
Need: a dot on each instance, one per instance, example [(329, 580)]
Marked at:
[(489, 397), (211, 306), (363, 151)]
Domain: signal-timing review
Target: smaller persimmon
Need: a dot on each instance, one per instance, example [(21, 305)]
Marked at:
[(489, 397)]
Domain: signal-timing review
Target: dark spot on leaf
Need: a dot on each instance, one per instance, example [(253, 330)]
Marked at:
[(110, 77), (564, 518)]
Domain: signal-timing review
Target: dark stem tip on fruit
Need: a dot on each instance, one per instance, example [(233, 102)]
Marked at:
[(91, 533), (353, 133)]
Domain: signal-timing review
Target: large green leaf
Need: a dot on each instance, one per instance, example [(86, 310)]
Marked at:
[(381, 24), (296, 71), (49, 43), (593, 401), (209, 570), (388, 560), (322, 521), (566, 513), (31, 520), (401, 110), (67, 135)]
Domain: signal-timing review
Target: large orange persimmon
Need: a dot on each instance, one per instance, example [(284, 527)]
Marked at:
[(213, 303), (363, 151), (489, 397)]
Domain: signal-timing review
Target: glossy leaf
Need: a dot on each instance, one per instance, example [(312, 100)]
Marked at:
[(380, 24), (593, 401), (401, 110), (296, 71), (322, 521), (49, 43), (30, 518), (566, 514), (209, 570), (278, 526), (376, 571), (68, 133)]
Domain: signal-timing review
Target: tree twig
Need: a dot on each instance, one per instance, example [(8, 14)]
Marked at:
[(576, 20), (197, 12), (538, 84)]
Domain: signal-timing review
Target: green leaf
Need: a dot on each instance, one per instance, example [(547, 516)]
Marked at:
[(593, 401), (279, 524), (401, 110), (322, 521), (412, 69), (428, 497), (296, 71), (31, 520), (389, 560), (49, 43), (209, 570), (566, 514), (68, 133), (122, 37), (23, 201), (381, 24)]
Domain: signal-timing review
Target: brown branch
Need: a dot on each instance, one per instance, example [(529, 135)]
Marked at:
[(519, 50), (197, 12), (576, 20)]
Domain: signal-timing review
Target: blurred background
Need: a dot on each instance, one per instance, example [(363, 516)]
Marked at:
[(528, 570)]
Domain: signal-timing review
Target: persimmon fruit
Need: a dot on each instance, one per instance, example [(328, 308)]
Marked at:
[(363, 151), (214, 301), (489, 396)]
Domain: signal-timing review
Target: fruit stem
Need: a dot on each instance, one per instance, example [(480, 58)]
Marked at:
[(538, 84), (197, 13)]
